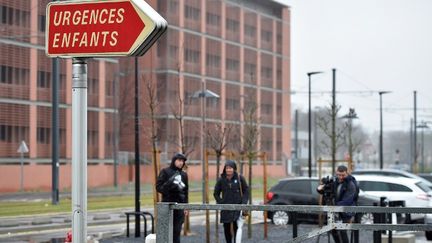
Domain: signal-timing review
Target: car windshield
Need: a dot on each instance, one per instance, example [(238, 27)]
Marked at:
[(423, 186)]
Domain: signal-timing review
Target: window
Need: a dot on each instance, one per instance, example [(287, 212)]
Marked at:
[(266, 108), (192, 12), (250, 69), (43, 79), (13, 75), (300, 186), (13, 16), (266, 72), (232, 25), (43, 135), (173, 6), (250, 30), (192, 56), (92, 137), (6, 74), (41, 23), (213, 60), (213, 19), (266, 35), (173, 51), (3, 133), (232, 64), (93, 86), (232, 104), (399, 188)]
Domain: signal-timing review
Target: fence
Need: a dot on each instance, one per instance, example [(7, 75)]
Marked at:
[(165, 217)]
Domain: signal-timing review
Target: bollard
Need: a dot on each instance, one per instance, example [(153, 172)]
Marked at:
[(294, 223)]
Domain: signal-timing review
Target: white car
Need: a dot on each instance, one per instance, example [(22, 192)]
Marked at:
[(391, 173), (412, 191)]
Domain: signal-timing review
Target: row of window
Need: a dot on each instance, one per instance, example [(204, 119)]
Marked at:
[(16, 134), (20, 76), (232, 25), (13, 16), (13, 134), (14, 75)]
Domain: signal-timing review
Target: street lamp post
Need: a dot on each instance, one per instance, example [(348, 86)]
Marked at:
[(310, 125), (381, 129), (204, 93)]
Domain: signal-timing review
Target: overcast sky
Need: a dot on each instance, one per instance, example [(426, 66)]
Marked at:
[(374, 45)]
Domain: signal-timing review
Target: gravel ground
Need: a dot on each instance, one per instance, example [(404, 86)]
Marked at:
[(275, 234)]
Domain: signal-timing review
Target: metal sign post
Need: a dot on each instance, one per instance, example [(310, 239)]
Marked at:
[(81, 29), (79, 150)]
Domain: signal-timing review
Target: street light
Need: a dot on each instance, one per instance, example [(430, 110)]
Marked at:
[(422, 125), (204, 93), (310, 125), (381, 128)]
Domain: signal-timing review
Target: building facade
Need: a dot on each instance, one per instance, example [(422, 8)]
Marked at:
[(240, 50)]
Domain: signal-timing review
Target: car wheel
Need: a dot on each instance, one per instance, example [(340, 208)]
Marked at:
[(428, 235), (280, 218), (367, 218)]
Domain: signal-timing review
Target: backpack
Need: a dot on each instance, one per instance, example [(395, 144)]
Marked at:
[(357, 192)]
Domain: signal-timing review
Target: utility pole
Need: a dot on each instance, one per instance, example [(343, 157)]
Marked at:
[(333, 138), (414, 169), (137, 154)]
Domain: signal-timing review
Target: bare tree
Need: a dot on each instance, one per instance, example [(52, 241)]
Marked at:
[(250, 145), (332, 140), (185, 144), (153, 103), (217, 139)]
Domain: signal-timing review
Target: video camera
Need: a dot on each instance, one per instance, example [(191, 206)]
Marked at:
[(328, 190)]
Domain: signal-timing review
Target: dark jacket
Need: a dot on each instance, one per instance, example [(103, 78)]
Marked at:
[(345, 194), (170, 188), (228, 192)]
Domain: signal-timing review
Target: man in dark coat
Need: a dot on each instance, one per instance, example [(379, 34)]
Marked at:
[(345, 195), (231, 188), (172, 183)]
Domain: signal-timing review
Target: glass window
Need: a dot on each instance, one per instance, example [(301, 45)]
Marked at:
[(232, 25), (298, 186), (192, 55), (41, 23), (399, 188), (192, 12), (374, 186), (423, 186), (232, 64), (213, 60), (213, 19), (250, 30)]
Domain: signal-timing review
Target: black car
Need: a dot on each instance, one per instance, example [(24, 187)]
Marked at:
[(302, 191)]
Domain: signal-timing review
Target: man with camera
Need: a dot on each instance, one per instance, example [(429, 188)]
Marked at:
[(344, 193)]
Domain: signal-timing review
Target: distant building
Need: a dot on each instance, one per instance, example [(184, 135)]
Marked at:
[(240, 50)]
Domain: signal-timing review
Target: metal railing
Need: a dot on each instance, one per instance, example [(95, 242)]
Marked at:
[(165, 217)]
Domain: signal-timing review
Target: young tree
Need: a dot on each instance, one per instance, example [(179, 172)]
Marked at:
[(153, 103), (250, 144), (217, 139), (333, 139)]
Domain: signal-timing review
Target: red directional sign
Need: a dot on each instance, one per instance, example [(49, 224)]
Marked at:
[(101, 28)]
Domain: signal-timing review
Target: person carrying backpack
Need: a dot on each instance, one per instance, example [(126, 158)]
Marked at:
[(346, 192)]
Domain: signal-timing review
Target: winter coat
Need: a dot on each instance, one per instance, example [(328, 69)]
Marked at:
[(345, 194), (227, 191), (170, 187)]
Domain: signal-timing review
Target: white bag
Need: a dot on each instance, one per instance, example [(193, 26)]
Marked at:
[(240, 222)]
